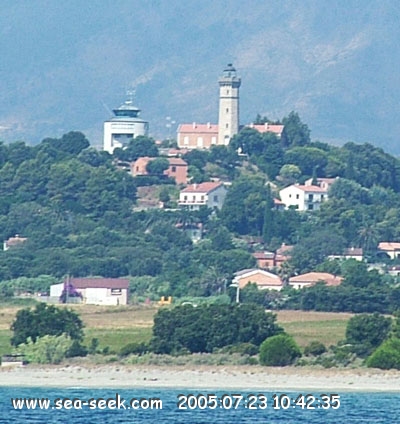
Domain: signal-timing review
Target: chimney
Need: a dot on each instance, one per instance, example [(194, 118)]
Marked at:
[(194, 125), (208, 125)]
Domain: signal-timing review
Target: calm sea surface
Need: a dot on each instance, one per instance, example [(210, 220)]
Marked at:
[(354, 407)]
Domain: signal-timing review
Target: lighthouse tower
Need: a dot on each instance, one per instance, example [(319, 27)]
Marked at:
[(228, 122), (124, 126)]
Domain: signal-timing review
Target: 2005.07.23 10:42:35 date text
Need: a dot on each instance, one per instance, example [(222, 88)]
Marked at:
[(258, 401)]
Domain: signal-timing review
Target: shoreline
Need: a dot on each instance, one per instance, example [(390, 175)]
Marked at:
[(202, 377)]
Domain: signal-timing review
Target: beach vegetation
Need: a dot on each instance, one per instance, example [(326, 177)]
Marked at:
[(46, 349), (279, 351), (386, 356), (315, 348), (365, 332)]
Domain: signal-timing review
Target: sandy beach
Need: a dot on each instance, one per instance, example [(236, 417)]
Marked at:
[(202, 377)]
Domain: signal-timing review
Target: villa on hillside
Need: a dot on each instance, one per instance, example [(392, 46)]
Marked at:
[(210, 194), (13, 241), (177, 169), (303, 197), (263, 279), (391, 248), (268, 260), (312, 278)]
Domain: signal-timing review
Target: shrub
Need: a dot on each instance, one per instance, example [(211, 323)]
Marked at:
[(76, 349), (279, 350), (46, 349), (133, 348), (366, 332), (315, 348), (387, 355), (241, 348)]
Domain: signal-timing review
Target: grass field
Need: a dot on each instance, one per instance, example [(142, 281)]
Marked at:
[(117, 326)]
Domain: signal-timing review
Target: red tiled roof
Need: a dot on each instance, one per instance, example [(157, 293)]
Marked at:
[(284, 249), (314, 277), (198, 128), (389, 245), (177, 162), (263, 128), (311, 188), (278, 202), (263, 255), (100, 283), (201, 188)]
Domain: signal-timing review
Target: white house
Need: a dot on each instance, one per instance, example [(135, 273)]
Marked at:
[(263, 279), (303, 197), (95, 291), (210, 194), (391, 248)]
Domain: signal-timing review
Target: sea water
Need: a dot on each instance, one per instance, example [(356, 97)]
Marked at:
[(202, 406)]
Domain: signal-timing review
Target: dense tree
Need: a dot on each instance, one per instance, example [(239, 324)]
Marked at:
[(157, 166), (45, 320), (140, 146), (366, 332), (208, 327), (295, 132)]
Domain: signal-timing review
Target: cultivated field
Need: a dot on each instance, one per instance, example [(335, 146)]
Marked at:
[(117, 326)]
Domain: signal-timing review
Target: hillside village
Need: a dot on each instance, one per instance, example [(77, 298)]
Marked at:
[(221, 209)]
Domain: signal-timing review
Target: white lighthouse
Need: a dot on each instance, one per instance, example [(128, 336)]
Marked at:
[(124, 126), (228, 122)]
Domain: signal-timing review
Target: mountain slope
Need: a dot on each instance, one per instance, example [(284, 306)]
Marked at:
[(65, 65)]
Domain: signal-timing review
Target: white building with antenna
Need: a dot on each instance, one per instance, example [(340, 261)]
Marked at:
[(124, 125)]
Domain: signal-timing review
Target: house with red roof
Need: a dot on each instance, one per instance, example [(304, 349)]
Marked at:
[(303, 197), (391, 248), (177, 169), (312, 278), (263, 279), (197, 136), (276, 129), (210, 194)]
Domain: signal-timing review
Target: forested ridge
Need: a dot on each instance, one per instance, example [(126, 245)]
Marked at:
[(77, 211)]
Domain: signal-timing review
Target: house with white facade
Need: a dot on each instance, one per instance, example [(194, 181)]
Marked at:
[(210, 194), (391, 248), (303, 197), (94, 291), (263, 279)]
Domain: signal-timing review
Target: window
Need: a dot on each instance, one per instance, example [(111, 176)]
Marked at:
[(227, 110), (297, 196), (226, 125), (200, 142), (185, 198), (310, 207), (216, 198), (310, 197), (116, 291), (173, 168), (227, 91), (186, 140), (322, 197), (202, 198)]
